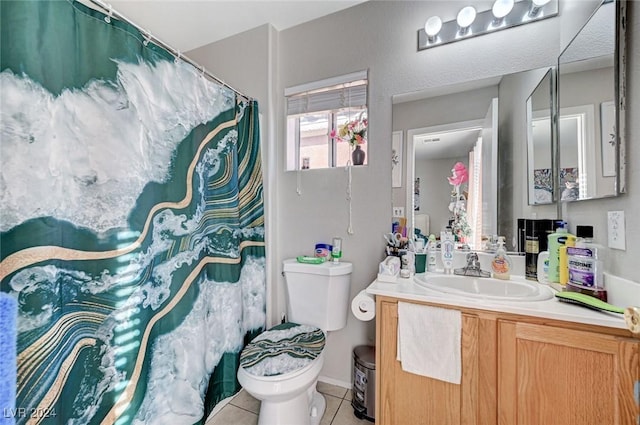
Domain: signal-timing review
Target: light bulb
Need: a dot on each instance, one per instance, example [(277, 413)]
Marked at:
[(466, 16), (501, 8), (536, 5), (433, 26)]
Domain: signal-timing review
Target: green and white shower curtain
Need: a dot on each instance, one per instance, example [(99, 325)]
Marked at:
[(131, 222)]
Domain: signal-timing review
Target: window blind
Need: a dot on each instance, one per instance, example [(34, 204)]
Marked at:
[(340, 94)]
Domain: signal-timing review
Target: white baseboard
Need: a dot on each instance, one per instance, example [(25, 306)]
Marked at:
[(336, 382)]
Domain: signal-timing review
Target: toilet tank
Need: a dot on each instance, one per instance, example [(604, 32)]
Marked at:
[(318, 294)]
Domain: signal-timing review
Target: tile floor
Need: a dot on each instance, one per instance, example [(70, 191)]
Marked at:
[(243, 409)]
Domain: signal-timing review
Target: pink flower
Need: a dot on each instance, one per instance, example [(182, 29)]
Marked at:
[(353, 131), (459, 174)]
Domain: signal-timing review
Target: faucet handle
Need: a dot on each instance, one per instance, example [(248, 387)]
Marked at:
[(473, 261)]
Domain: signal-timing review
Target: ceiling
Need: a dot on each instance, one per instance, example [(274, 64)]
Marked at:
[(449, 144), (186, 24)]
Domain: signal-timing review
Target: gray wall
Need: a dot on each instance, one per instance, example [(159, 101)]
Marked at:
[(381, 36)]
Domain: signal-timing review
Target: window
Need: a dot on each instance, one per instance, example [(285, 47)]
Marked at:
[(314, 110)]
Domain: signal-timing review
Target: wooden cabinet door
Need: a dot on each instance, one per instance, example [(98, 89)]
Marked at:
[(408, 399), (549, 375)]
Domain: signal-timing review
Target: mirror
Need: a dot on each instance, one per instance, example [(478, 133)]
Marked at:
[(493, 110), (590, 122), (436, 140), (540, 170)]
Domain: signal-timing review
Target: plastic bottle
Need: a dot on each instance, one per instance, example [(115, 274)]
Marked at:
[(336, 250), (432, 252), (543, 267), (563, 259), (585, 240), (446, 250), (501, 264), (555, 241), (586, 265)]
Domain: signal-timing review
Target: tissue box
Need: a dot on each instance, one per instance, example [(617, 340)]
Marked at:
[(389, 269)]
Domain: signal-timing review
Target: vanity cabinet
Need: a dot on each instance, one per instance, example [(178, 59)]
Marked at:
[(516, 370), (406, 398), (552, 375)]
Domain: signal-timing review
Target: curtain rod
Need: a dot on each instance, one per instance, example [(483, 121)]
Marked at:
[(111, 12)]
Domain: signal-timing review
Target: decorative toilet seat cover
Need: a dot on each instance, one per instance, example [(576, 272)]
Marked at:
[(283, 349)]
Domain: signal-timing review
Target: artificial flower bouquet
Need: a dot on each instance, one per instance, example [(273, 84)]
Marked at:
[(354, 131)]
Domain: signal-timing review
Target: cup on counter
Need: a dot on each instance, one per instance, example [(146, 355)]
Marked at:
[(420, 262)]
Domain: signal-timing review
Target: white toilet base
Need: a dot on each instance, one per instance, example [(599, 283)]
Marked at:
[(305, 409), (318, 405)]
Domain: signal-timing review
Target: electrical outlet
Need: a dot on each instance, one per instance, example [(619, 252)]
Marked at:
[(616, 230), (398, 211)]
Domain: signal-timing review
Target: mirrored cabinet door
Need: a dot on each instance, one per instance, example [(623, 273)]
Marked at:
[(540, 166), (590, 120)]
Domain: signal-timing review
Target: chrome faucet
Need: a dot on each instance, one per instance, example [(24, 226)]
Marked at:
[(472, 268)]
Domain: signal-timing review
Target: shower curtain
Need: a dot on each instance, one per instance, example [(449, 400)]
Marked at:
[(131, 222)]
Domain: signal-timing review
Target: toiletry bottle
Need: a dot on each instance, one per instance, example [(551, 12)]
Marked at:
[(585, 240), (501, 263), (336, 250), (446, 250), (536, 231), (432, 252), (555, 241), (563, 259), (586, 272), (543, 267)]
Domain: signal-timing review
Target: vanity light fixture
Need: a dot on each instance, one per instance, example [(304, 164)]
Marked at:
[(465, 18), (500, 9), (432, 27), (536, 5), (470, 23)]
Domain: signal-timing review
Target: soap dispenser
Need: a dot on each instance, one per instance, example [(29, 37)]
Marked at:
[(501, 263), (446, 250)]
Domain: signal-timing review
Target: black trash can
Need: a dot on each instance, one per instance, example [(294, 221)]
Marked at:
[(364, 382)]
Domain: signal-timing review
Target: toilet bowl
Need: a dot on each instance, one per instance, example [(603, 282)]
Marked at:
[(280, 367)]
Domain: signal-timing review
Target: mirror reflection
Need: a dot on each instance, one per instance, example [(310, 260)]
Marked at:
[(486, 133), (587, 96), (540, 172), (440, 148)]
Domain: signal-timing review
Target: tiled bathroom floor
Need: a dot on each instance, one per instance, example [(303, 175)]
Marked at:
[(243, 409)]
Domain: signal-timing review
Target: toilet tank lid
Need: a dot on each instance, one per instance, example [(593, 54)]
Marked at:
[(328, 268)]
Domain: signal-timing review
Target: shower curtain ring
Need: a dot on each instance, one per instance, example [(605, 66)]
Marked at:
[(107, 18), (204, 73), (177, 56), (147, 37)]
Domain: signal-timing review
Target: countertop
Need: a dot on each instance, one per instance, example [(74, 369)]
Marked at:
[(407, 289)]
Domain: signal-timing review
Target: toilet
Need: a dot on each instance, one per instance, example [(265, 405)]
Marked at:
[(280, 367)]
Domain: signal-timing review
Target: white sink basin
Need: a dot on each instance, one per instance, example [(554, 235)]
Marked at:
[(516, 289)]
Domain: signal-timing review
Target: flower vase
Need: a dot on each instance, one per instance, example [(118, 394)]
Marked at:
[(357, 156)]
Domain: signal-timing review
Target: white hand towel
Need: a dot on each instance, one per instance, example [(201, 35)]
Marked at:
[(429, 341)]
